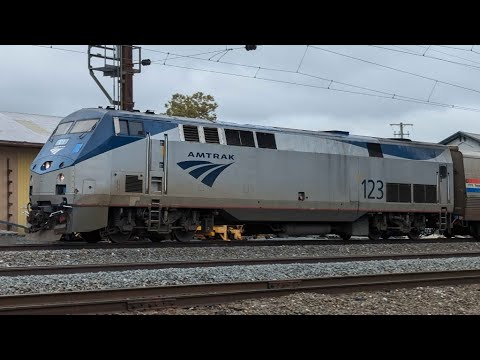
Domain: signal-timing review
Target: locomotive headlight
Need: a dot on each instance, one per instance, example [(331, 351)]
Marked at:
[(60, 177), (46, 165)]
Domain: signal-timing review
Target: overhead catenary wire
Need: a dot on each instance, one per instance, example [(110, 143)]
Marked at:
[(60, 49), (446, 53), (453, 47), (473, 67), (178, 56), (303, 57), (337, 53), (258, 68), (396, 69), (389, 96), (380, 94)]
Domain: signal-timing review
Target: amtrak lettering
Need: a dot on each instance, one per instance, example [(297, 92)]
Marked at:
[(211, 156)]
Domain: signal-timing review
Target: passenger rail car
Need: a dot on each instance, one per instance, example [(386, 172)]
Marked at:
[(130, 175)]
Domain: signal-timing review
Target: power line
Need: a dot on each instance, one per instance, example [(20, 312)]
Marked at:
[(178, 56), (69, 50), (258, 68), (395, 69), (445, 53), (453, 47), (473, 67), (390, 96), (303, 57), (385, 95), (61, 49)]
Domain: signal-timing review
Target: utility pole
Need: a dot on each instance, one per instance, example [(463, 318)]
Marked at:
[(118, 64), (401, 133), (126, 77)]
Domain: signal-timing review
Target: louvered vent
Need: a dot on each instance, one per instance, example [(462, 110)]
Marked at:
[(424, 193), (191, 133), (399, 193), (211, 135), (133, 184)]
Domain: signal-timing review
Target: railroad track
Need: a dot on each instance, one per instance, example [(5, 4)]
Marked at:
[(172, 244), (90, 268), (121, 300)]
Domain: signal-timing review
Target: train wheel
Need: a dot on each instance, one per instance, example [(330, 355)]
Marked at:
[(120, 237), (447, 235), (374, 234), (386, 235), (345, 236), (183, 236), (157, 237), (91, 237), (414, 234), (474, 232)]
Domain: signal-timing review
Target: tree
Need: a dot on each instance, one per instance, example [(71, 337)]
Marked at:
[(197, 105)]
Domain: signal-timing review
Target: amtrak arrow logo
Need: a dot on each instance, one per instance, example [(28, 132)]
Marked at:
[(201, 167)]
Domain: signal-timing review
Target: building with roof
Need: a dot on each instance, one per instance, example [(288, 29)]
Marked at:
[(21, 138), (466, 142)]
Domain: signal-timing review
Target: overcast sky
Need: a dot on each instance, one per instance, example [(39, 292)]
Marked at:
[(54, 82)]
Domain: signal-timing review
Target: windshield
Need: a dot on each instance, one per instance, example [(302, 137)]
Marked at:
[(62, 129), (83, 126)]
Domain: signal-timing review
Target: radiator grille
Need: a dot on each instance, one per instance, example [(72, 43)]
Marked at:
[(191, 133), (211, 135)]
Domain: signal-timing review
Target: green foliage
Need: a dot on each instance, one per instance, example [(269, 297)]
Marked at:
[(197, 105)]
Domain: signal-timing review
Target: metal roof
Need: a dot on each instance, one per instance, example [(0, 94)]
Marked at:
[(449, 139), (26, 129)]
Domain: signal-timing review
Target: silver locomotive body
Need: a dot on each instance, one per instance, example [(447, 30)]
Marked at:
[(121, 175)]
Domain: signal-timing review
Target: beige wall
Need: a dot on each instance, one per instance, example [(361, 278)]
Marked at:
[(20, 160)]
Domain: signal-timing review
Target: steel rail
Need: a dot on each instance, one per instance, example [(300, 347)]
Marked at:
[(91, 268), (172, 244), (120, 300)]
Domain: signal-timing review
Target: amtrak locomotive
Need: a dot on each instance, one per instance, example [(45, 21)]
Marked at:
[(129, 175)]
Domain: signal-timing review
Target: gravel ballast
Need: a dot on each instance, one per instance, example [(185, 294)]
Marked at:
[(448, 300), (162, 277), (100, 256)]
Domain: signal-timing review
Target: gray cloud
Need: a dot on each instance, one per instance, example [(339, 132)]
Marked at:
[(47, 81)]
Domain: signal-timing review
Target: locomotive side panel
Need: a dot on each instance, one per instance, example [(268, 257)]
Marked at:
[(245, 180)]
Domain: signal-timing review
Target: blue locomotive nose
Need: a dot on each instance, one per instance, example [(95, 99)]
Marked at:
[(70, 140)]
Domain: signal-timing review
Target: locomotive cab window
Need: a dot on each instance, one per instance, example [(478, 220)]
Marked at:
[(266, 141), (135, 128), (62, 129), (84, 126), (128, 127), (239, 138)]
